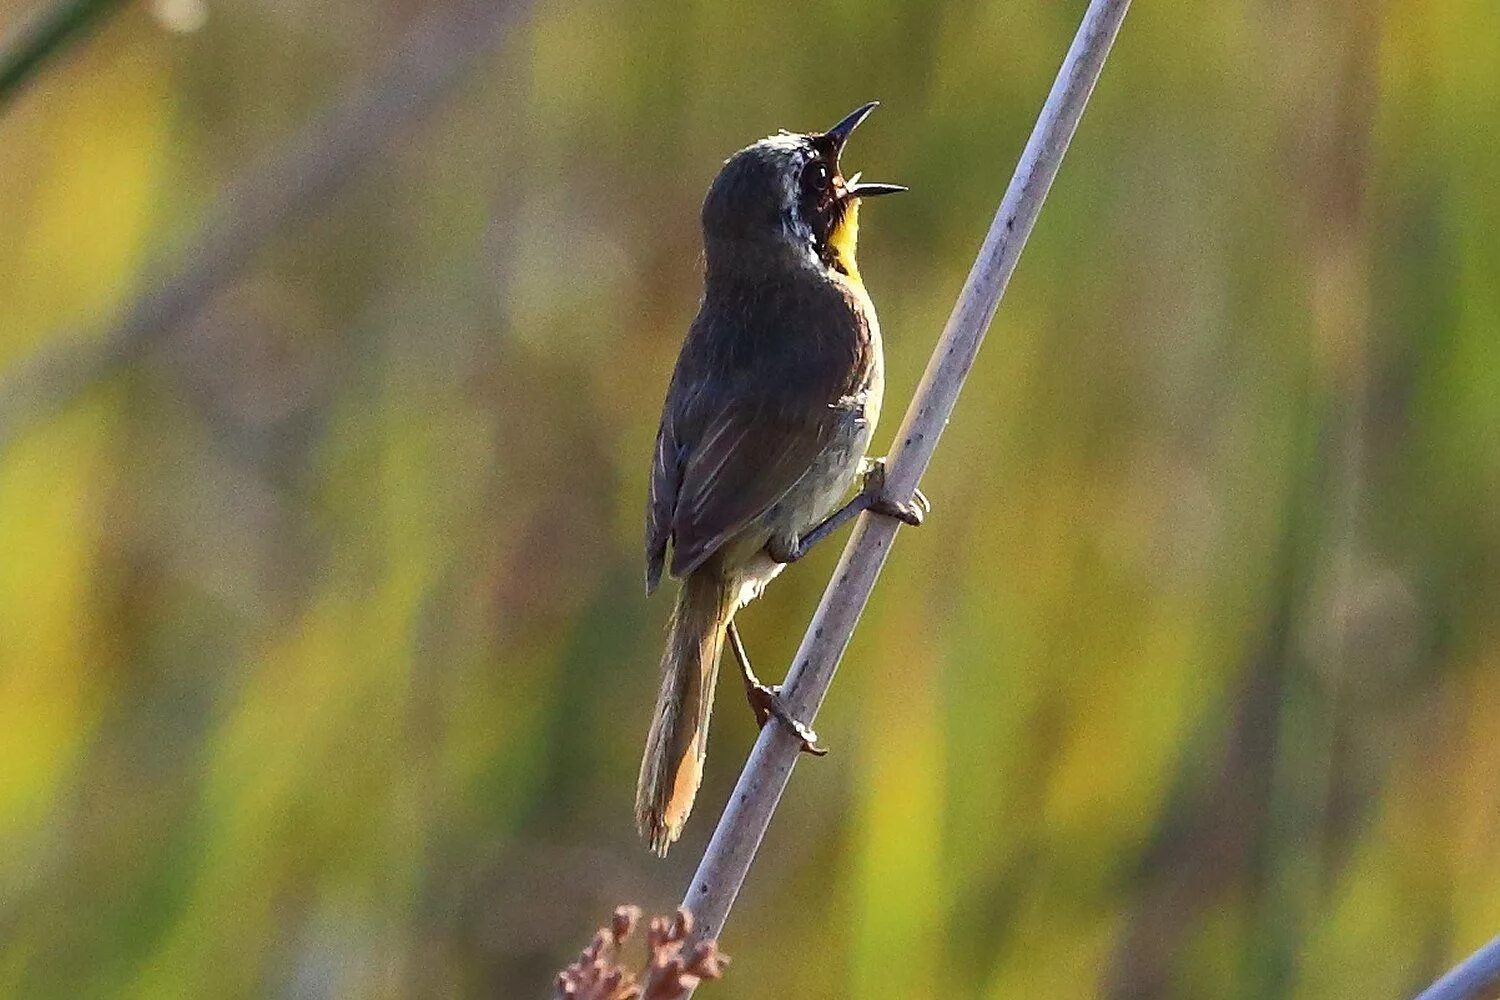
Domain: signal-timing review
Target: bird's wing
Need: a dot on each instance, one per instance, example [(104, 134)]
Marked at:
[(661, 501), (756, 442), (750, 408)]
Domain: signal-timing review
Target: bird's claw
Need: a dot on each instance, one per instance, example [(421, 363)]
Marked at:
[(765, 702), (911, 512)]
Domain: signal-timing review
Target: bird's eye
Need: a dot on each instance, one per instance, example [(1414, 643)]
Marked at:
[(819, 172)]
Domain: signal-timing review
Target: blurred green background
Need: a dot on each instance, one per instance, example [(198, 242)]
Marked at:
[(325, 663)]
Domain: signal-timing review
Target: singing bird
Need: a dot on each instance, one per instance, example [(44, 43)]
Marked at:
[(764, 430)]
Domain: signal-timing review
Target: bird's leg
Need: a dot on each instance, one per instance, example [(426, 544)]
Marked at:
[(783, 552), (872, 497), (765, 699)]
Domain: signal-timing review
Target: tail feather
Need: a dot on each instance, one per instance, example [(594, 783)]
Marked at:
[(673, 764)]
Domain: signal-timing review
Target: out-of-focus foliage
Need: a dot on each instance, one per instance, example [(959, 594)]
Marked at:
[(324, 660)]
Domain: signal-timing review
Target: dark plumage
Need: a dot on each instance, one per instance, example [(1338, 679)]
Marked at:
[(766, 422)]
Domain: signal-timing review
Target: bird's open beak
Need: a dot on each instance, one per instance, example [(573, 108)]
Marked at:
[(872, 190), (838, 135)]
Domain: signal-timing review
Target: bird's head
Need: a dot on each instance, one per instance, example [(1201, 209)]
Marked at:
[(786, 194)]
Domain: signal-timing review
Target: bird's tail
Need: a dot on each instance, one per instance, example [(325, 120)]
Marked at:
[(673, 765)]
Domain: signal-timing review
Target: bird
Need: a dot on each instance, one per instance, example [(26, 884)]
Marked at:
[(767, 420)]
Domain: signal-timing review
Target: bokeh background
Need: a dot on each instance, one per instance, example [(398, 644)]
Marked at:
[(324, 658)]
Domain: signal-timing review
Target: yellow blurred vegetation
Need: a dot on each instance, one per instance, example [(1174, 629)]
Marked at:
[(324, 657)]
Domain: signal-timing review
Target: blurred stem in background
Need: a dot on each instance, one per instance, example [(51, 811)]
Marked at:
[(24, 51), (288, 183)]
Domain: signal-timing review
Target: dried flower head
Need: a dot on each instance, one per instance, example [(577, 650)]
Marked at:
[(669, 975)]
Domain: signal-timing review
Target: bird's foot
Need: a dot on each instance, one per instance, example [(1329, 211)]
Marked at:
[(912, 512), (766, 702)]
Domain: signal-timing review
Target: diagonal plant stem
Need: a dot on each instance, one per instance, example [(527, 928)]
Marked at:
[(296, 179), (24, 50), (1475, 978), (727, 860)]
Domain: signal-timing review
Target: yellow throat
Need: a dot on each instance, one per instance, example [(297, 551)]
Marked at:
[(845, 234)]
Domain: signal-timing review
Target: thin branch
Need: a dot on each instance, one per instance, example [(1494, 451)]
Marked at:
[(40, 37), (727, 861), (287, 184), (1475, 978)]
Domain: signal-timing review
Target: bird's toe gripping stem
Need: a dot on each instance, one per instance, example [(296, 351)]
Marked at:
[(911, 512), (766, 701)]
